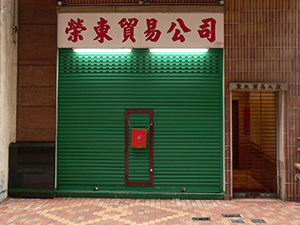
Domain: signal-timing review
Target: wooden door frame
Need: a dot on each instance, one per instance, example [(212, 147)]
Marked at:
[(235, 135), (281, 176)]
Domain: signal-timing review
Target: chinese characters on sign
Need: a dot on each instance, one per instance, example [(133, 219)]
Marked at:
[(152, 34), (102, 31), (142, 30), (128, 28), (74, 29), (208, 30), (177, 35)]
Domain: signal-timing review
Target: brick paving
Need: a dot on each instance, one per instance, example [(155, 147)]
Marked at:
[(146, 211)]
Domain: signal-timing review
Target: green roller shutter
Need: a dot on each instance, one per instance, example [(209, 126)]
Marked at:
[(185, 93)]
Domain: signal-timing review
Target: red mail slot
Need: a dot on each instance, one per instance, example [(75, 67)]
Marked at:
[(139, 138)]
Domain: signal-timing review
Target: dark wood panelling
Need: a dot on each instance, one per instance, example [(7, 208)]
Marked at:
[(36, 96), (86, 2), (37, 76), (37, 44), (141, 8), (37, 12), (36, 124)]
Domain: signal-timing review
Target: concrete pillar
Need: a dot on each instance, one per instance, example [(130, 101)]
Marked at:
[(8, 82)]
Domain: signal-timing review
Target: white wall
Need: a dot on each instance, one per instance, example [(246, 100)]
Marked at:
[(8, 89)]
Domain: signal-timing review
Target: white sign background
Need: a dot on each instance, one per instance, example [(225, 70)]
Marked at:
[(191, 20)]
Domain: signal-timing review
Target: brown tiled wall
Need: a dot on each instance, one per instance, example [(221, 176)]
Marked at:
[(262, 45), (36, 70)]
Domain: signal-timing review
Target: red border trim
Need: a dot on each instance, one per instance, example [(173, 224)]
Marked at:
[(151, 122)]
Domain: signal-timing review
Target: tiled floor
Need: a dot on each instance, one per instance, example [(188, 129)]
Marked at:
[(144, 211)]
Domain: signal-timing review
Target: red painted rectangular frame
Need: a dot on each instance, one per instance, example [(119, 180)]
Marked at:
[(151, 123)]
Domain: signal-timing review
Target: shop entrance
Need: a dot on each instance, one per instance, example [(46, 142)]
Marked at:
[(140, 123), (254, 143)]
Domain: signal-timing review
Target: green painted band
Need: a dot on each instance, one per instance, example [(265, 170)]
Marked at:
[(1, 192), (143, 195), (30, 190)]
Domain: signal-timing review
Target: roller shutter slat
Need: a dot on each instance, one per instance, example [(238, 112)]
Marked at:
[(185, 92)]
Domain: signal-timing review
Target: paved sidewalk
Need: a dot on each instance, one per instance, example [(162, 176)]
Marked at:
[(144, 211)]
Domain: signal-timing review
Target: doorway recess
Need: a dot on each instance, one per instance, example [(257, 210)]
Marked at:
[(254, 134)]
